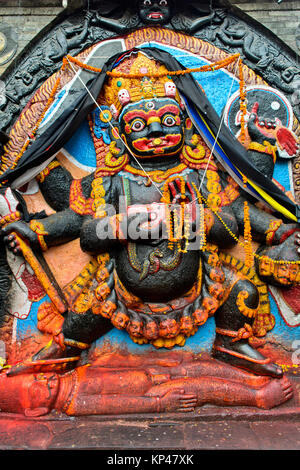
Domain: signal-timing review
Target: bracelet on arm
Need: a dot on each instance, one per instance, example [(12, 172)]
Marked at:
[(266, 148), (37, 227), (271, 231)]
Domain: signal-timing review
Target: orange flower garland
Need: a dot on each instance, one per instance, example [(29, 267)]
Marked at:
[(243, 103), (205, 68), (248, 237), (69, 59)]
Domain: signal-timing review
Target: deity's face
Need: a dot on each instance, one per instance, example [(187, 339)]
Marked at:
[(153, 127), (155, 11)]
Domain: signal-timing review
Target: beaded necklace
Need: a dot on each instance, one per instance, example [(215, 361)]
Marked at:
[(158, 176)]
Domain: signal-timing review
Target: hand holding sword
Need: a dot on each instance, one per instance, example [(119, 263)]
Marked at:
[(20, 239)]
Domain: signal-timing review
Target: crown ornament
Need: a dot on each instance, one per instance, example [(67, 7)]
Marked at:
[(141, 84)]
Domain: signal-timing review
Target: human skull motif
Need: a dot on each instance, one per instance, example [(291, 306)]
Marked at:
[(114, 111), (170, 89), (124, 96)]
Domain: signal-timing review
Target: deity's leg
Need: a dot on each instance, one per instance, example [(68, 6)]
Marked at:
[(78, 332), (85, 327), (234, 320)]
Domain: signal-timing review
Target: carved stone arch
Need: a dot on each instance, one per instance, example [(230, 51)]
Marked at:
[(221, 24)]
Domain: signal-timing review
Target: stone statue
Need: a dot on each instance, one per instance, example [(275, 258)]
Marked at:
[(139, 388), (158, 270), (160, 220)]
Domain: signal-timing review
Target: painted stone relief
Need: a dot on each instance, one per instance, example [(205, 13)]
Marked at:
[(150, 226)]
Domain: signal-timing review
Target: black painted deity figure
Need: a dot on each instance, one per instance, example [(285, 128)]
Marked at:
[(156, 215), (142, 12), (158, 13)]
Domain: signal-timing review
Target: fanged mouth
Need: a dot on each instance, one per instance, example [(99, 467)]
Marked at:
[(155, 16), (157, 144)]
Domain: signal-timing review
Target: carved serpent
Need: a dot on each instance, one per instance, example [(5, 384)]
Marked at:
[(154, 262)]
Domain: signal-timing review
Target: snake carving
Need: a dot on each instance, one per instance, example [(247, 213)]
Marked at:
[(155, 260)]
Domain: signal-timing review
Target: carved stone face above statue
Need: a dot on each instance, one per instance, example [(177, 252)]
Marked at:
[(155, 11)]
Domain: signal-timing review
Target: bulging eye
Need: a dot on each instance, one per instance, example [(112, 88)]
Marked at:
[(163, 3), (147, 3), (169, 121), (137, 125)]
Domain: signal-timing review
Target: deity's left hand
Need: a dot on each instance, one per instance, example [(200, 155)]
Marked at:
[(277, 264), (23, 230)]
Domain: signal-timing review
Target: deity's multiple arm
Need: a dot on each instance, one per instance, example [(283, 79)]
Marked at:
[(223, 230), (100, 233), (55, 182), (61, 227), (261, 223)]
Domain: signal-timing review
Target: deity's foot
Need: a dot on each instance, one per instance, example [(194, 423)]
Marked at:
[(241, 354), (275, 393)]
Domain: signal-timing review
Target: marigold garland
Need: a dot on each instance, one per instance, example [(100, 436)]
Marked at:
[(245, 181), (204, 68), (9, 218), (202, 218), (248, 237), (66, 61), (243, 102)]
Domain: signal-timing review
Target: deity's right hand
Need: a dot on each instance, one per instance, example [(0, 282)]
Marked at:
[(143, 222), (11, 232), (283, 232)]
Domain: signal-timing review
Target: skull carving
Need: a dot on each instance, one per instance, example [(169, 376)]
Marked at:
[(170, 89), (124, 96), (114, 111)]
